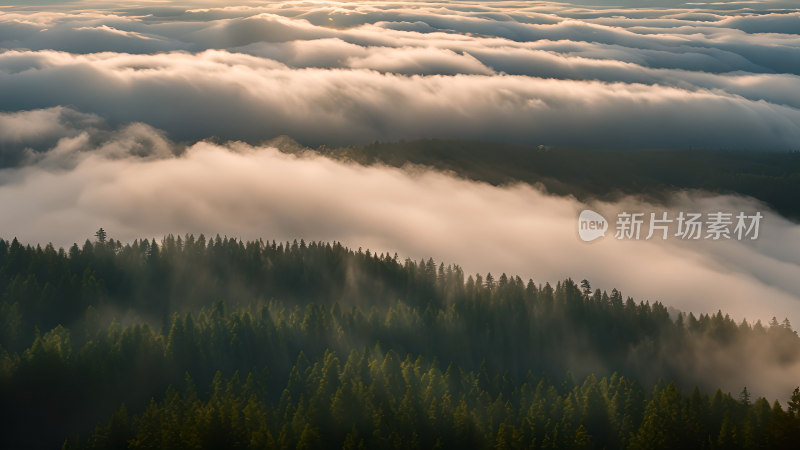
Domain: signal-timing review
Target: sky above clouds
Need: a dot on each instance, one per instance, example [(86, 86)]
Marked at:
[(108, 110)]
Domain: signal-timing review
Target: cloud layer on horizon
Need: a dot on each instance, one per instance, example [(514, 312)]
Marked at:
[(662, 76)]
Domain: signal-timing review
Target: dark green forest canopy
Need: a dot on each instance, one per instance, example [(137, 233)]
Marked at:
[(772, 177), (195, 342)]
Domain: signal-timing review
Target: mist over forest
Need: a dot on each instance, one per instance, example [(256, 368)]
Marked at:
[(316, 328), (356, 224)]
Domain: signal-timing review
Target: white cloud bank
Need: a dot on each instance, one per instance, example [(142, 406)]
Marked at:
[(237, 96), (662, 76)]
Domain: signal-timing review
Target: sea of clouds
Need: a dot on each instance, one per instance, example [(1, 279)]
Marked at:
[(661, 75), (148, 118)]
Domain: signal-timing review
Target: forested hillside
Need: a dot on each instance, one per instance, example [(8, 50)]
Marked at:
[(218, 343)]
